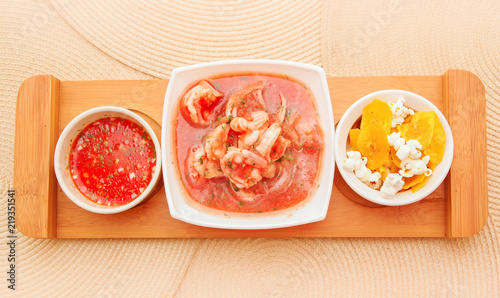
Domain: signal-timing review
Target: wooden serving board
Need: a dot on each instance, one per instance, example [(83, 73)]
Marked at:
[(458, 208)]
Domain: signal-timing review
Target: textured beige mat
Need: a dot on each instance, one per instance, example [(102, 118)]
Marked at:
[(77, 40)]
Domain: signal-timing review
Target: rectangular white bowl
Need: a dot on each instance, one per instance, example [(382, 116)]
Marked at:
[(184, 208)]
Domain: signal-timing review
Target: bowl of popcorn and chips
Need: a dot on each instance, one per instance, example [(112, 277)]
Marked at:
[(393, 147)]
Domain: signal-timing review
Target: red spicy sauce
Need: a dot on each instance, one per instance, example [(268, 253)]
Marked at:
[(112, 161), (297, 170)]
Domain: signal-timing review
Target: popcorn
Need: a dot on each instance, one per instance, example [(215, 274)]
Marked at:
[(363, 174), (395, 140), (404, 149), (403, 152), (392, 184), (415, 148), (396, 120), (409, 153), (357, 164), (375, 180), (353, 161), (375, 177), (411, 167), (399, 112)]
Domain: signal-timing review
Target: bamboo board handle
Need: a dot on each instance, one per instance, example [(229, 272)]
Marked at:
[(467, 193), (34, 177)]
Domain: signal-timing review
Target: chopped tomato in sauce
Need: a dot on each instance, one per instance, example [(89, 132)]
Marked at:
[(112, 161)]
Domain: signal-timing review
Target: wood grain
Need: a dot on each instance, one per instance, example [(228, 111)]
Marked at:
[(465, 102), (36, 135), (345, 218)]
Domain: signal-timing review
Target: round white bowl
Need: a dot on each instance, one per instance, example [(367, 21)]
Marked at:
[(63, 147), (418, 104), (184, 208)]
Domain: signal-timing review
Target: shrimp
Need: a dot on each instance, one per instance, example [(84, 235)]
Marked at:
[(246, 195), (215, 145), (242, 97), (303, 127), (251, 129), (267, 140), (199, 167), (243, 167), (279, 148), (258, 119), (247, 140), (290, 133), (197, 100), (270, 171), (309, 136)]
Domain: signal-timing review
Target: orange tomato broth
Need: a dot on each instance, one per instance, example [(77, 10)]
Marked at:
[(112, 161), (297, 170)]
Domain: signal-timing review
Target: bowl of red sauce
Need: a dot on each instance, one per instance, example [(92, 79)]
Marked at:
[(107, 160), (248, 144)]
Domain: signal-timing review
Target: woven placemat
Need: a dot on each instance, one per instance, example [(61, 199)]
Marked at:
[(156, 37), (143, 39)]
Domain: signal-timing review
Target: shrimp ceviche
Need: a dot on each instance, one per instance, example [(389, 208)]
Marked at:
[(248, 143)]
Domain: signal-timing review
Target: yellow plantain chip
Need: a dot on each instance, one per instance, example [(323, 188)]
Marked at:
[(436, 148), (377, 113), (395, 159), (409, 182), (408, 119), (421, 128), (419, 185), (383, 172), (394, 168), (353, 137), (372, 143)]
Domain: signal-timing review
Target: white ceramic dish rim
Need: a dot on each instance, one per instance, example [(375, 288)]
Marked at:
[(247, 222), (59, 170), (407, 197)]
